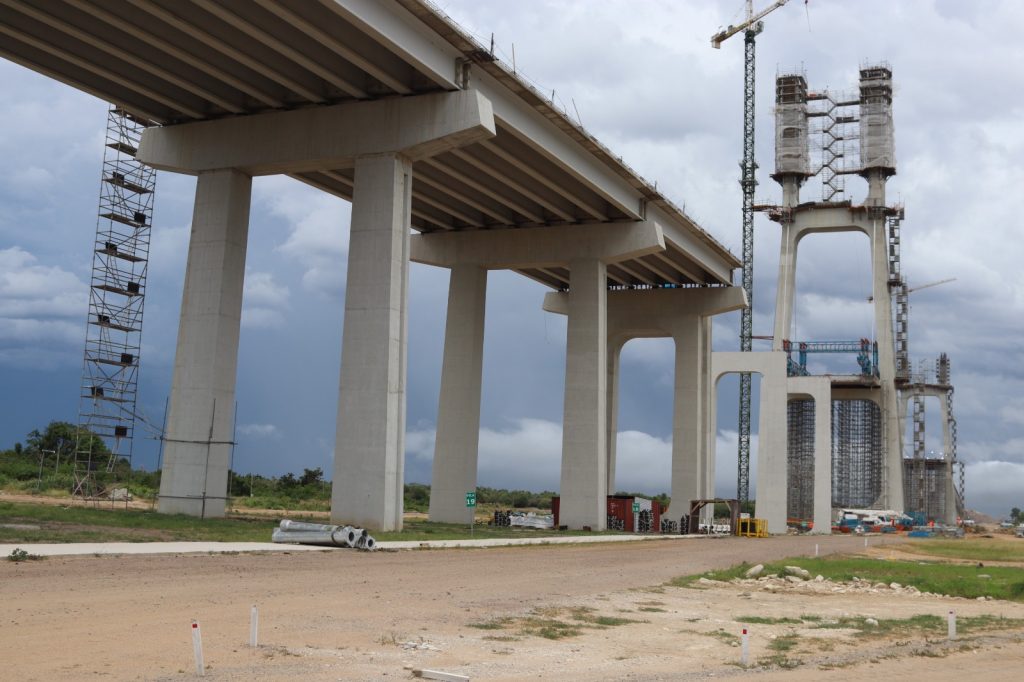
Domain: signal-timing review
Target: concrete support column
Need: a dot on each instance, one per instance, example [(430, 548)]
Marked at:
[(823, 463), (456, 446), (612, 420), (584, 433), (947, 448), (892, 427), (369, 452), (197, 442), (772, 448), (708, 429), (689, 461), (786, 292)]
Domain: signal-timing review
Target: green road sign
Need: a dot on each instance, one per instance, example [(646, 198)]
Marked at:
[(470, 499), (636, 507)]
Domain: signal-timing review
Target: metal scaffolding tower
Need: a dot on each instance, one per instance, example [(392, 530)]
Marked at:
[(800, 459), (116, 301), (857, 453), (835, 129)]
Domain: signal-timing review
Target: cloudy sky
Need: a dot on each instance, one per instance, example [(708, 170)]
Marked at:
[(642, 77)]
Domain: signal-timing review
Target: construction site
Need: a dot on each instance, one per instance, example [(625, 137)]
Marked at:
[(840, 443), (849, 556)]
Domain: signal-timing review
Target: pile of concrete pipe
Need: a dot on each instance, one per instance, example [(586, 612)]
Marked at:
[(300, 533)]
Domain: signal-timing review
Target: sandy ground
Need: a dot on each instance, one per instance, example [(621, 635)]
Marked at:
[(365, 616)]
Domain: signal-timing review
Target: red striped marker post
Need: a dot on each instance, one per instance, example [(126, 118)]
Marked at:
[(744, 648)]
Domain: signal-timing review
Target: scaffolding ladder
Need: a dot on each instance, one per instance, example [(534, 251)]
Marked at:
[(113, 339)]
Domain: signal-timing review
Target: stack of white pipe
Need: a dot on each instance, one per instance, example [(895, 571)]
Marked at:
[(299, 532)]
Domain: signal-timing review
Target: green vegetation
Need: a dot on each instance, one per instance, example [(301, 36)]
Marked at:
[(554, 622), (954, 580), (18, 555), (976, 550), (77, 523), (762, 620), (923, 625)]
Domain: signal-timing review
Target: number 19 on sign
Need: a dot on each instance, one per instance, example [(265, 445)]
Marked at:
[(471, 505)]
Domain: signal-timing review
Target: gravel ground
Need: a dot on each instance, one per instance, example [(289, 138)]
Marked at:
[(374, 616)]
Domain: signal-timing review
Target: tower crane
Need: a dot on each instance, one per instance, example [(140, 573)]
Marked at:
[(748, 181), (923, 286)]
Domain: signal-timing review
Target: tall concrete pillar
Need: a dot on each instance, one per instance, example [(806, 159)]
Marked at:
[(947, 448), (893, 425), (197, 442), (456, 445), (689, 461), (612, 420), (708, 429), (369, 452), (584, 448), (786, 291), (772, 447)]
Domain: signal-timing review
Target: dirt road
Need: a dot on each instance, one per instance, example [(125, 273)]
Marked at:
[(347, 615)]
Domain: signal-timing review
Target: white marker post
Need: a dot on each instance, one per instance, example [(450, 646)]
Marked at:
[(815, 549), (952, 624), (744, 648), (197, 648), (865, 541), (254, 623)]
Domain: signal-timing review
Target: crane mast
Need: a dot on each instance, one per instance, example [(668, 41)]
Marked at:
[(748, 182)]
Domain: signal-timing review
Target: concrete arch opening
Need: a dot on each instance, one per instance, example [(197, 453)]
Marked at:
[(770, 482), (829, 267), (640, 416)]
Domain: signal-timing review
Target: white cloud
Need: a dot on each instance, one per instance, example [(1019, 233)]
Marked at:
[(34, 331), (318, 230), (259, 430), (30, 289), (995, 487), (42, 312), (264, 301)]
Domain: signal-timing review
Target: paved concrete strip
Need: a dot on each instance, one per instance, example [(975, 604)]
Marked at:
[(107, 548)]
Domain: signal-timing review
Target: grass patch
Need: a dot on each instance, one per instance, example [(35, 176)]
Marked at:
[(652, 609), (763, 620), (725, 574), (783, 643), (500, 624), (719, 634), (76, 522), (779, 660), (553, 623), (923, 624), (939, 578)]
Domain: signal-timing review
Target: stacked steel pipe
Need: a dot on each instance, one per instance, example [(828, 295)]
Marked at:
[(301, 533)]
